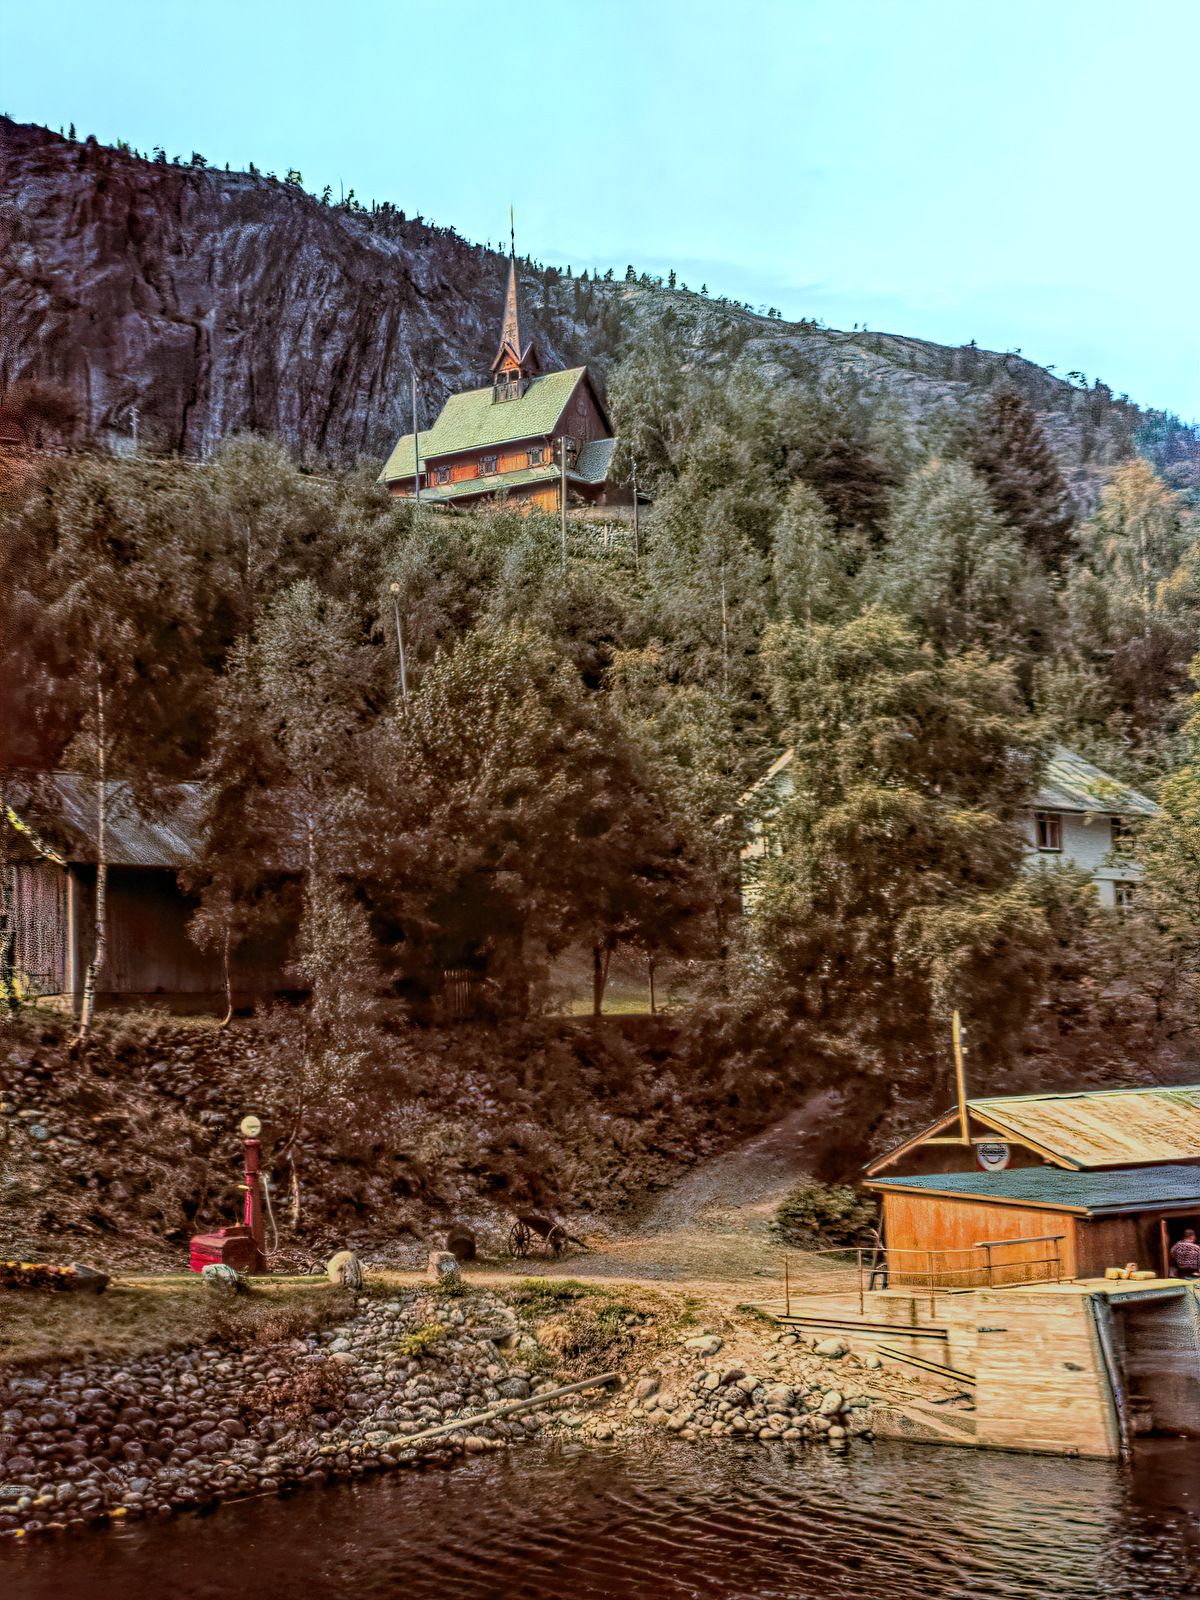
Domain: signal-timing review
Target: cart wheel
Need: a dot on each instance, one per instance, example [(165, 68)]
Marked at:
[(518, 1240)]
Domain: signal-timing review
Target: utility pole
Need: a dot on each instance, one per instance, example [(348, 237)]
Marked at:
[(960, 1078), (416, 439), (395, 589), (562, 495), (725, 630), (637, 542)]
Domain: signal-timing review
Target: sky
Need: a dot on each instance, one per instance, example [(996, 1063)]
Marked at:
[(1017, 172)]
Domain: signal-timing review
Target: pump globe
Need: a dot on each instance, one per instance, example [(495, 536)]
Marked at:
[(251, 1127)]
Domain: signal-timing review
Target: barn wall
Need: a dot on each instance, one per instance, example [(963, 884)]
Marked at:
[(1109, 1242), (37, 894), (921, 1223), (149, 955)]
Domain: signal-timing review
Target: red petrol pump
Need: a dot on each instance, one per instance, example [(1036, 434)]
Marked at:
[(242, 1245)]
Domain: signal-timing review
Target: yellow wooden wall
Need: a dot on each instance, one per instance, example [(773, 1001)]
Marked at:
[(924, 1222)]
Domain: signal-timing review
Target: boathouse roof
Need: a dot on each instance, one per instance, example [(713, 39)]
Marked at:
[(1086, 1194), (1098, 1128)]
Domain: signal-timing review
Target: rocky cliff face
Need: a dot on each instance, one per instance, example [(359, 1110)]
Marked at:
[(184, 304)]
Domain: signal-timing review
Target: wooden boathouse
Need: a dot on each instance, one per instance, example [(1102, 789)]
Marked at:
[(987, 1229)]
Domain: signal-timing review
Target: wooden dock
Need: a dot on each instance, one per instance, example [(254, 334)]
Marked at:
[(1071, 1368)]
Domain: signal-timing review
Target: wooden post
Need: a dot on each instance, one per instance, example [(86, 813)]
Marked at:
[(860, 1282), (991, 1279), (637, 542), (961, 1078), (650, 963), (1164, 1241), (562, 495), (932, 1309), (395, 588), (787, 1290), (416, 441)]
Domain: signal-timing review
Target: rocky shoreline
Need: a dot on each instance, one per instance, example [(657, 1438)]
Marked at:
[(101, 1440)]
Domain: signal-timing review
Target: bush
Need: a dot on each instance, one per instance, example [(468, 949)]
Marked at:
[(824, 1213)]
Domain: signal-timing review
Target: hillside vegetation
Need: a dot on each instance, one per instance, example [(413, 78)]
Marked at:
[(919, 599)]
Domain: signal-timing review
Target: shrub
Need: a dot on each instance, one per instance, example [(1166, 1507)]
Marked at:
[(833, 1213), (418, 1341)]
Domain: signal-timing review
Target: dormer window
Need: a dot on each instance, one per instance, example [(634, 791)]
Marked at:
[(441, 474), (537, 457), (488, 465)]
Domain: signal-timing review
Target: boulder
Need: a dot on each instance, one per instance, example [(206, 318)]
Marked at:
[(643, 1389), (344, 1270), (222, 1279), (443, 1268), (704, 1344), (832, 1348), (513, 1389), (779, 1397), (831, 1403)]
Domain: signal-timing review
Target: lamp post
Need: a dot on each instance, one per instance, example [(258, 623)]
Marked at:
[(395, 593)]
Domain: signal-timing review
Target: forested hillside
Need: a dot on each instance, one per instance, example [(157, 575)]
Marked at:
[(919, 585), (179, 304)]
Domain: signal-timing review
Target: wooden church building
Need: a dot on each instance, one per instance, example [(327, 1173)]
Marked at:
[(509, 438)]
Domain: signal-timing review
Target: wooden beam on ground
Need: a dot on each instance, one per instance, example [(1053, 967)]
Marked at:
[(465, 1424)]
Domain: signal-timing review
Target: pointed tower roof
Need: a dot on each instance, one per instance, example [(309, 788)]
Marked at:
[(511, 348)]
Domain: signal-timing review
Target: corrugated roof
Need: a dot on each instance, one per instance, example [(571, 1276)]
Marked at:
[(473, 420), (1050, 1188), (1106, 1128), (1073, 784), (1099, 1128), (133, 837)]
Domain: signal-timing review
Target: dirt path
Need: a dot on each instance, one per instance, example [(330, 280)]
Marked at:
[(711, 1232)]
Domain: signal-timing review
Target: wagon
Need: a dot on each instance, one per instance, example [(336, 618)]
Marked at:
[(528, 1227)]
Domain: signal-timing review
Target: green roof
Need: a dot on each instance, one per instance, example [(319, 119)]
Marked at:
[(1073, 784), (1052, 1189), (473, 420)]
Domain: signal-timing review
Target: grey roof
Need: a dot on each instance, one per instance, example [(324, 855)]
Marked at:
[(1094, 1194), (167, 836), (593, 461), (1072, 784)]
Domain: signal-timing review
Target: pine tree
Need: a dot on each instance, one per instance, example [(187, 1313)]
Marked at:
[(1009, 451), (898, 894), (955, 568)]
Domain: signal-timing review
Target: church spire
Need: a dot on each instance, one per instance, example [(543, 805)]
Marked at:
[(515, 364)]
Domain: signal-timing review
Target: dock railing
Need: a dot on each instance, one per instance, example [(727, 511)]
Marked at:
[(931, 1270)]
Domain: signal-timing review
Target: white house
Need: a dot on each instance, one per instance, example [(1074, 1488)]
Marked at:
[(1083, 816), (1080, 815)]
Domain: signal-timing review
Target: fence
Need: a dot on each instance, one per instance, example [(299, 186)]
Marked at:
[(930, 1270)]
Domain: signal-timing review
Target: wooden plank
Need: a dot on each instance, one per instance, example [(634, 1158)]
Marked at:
[(938, 1370), (460, 1424)]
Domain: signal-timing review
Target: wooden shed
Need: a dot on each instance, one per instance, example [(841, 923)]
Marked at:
[(49, 892), (975, 1229)]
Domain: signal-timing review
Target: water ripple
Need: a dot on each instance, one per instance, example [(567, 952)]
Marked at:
[(666, 1520)]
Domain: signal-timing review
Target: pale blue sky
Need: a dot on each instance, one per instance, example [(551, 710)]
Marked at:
[(1019, 172)]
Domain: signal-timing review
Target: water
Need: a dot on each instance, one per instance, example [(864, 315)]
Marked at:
[(668, 1520)]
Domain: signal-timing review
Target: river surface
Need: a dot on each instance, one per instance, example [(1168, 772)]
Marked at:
[(667, 1520)]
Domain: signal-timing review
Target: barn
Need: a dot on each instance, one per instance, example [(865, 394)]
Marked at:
[(50, 892)]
